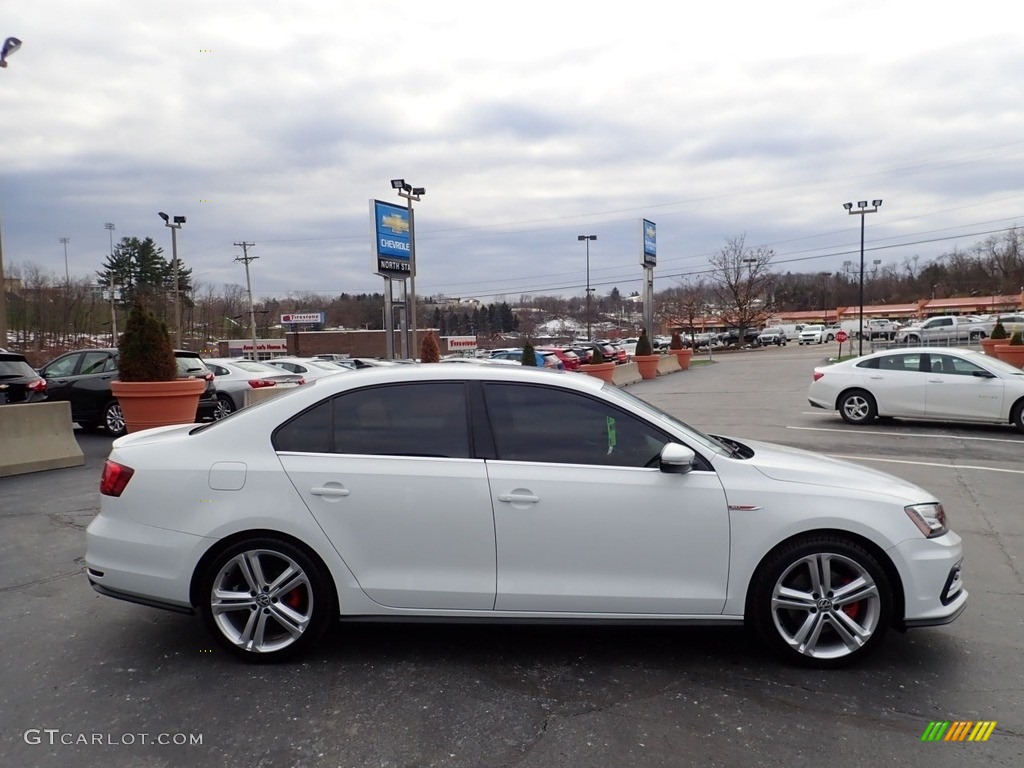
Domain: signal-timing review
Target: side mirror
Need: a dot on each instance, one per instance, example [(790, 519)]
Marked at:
[(676, 459), (983, 374)]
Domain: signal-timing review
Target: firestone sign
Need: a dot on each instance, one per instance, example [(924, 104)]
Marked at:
[(296, 318), (458, 343)]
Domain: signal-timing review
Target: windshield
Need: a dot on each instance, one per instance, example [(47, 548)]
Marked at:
[(656, 414)]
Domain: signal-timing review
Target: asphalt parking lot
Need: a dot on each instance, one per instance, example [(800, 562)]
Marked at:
[(90, 681)]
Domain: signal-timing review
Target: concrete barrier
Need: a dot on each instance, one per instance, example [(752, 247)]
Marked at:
[(668, 364), (37, 436), (628, 373)]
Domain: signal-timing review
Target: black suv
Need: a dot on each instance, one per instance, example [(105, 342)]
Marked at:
[(18, 382), (83, 378)]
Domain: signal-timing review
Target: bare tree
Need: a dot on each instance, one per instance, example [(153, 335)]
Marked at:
[(741, 281)]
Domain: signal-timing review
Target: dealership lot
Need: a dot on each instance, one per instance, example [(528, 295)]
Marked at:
[(91, 681)]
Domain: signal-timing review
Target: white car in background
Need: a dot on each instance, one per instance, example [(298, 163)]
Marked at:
[(309, 367), (811, 334), (501, 493), (933, 383), (234, 377)]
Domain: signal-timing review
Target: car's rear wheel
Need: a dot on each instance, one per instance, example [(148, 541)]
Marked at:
[(266, 599), (113, 419), (1017, 415), (225, 407), (857, 407), (821, 601)]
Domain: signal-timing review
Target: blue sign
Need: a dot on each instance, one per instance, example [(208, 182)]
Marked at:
[(650, 257), (391, 239)]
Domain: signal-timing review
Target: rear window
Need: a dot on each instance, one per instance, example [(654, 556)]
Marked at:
[(190, 366), (15, 365)]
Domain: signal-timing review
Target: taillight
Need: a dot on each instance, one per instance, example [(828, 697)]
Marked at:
[(261, 383), (818, 375), (209, 376), (301, 382), (39, 385), (115, 478)]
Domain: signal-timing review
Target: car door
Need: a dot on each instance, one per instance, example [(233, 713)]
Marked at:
[(897, 383), (954, 390), (83, 379), (584, 520), (387, 475)]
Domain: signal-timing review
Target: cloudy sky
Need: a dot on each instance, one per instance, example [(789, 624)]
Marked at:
[(528, 123)]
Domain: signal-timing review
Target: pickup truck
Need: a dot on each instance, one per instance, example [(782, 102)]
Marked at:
[(947, 329)]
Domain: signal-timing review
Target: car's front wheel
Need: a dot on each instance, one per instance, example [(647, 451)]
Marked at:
[(266, 599), (820, 600), (857, 407), (113, 419)]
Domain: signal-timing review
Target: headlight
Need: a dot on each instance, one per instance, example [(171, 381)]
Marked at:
[(930, 519)]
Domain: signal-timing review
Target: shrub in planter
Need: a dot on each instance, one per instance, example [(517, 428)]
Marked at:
[(998, 331), (430, 352), (676, 341), (1017, 340), (643, 346), (529, 355), (597, 356), (148, 390), (145, 351)]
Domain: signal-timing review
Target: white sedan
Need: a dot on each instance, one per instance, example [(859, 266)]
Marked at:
[(933, 383), (309, 368), (492, 493)]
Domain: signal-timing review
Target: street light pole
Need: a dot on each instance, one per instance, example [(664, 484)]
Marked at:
[(862, 210), (67, 274), (110, 286), (410, 193), (587, 239), (175, 226)]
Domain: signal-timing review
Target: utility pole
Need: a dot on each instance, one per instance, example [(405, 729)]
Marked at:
[(245, 258)]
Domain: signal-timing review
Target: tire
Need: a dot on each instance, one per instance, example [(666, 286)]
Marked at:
[(225, 407), (1017, 415), (112, 419), (857, 407), (821, 600), (270, 618)]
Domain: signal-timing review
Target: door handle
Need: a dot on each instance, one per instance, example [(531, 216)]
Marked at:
[(518, 498), (336, 490)]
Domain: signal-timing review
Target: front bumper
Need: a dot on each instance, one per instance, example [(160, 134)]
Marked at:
[(933, 587)]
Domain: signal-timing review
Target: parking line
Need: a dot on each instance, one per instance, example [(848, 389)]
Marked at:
[(901, 434), (926, 464)]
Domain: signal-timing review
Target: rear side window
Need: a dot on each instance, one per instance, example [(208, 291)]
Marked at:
[(423, 419)]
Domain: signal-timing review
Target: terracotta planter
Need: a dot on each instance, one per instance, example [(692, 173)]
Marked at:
[(988, 346), (683, 356), (648, 365), (600, 370), (147, 404), (1012, 354)]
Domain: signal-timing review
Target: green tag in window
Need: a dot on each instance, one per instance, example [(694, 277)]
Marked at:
[(610, 427)]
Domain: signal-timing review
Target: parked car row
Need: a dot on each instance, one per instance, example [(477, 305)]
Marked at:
[(83, 378)]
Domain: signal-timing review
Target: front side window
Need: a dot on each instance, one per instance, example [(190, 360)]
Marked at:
[(956, 366), (555, 426), (63, 366), (422, 419)]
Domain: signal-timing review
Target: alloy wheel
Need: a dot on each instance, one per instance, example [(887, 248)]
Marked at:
[(262, 601), (826, 606)]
